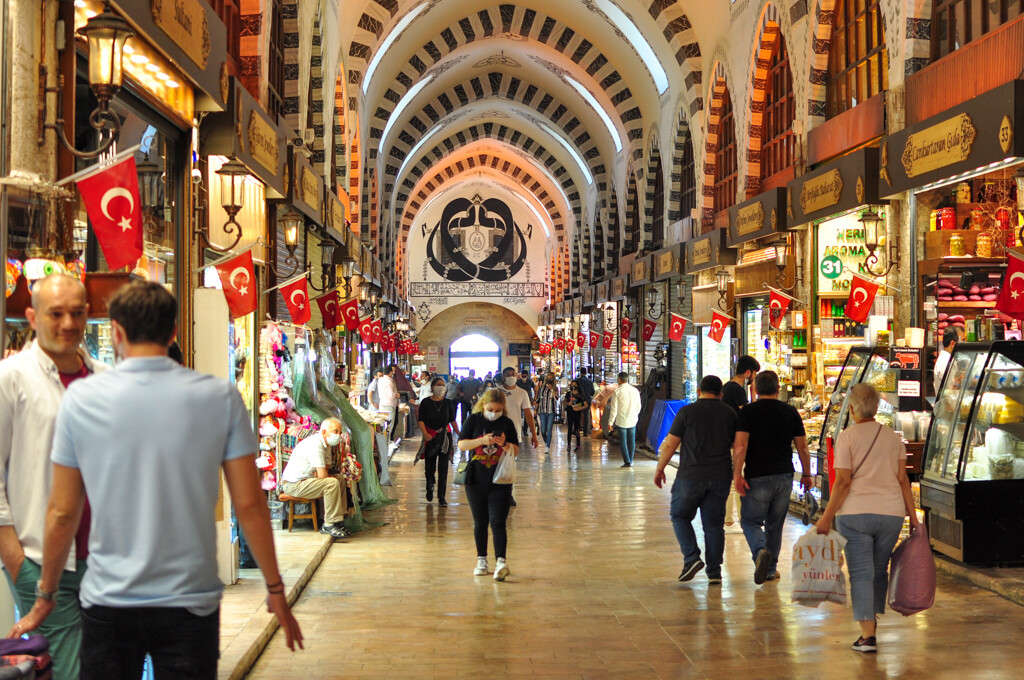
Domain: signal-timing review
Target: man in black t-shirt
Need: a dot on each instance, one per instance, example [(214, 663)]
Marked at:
[(766, 433), (705, 429), (468, 387), (734, 392)]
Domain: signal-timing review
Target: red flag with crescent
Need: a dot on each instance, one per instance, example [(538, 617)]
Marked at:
[(366, 331), (862, 294), (719, 322), (676, 327), (649, 327), (778, 305), (350, 313), (627, 327), (1011, 297), (416, 348), (111, 198), (377, 330), (559, 343), (329, 309), (595, 338), (296, 296), (581, 339), (238, 281), (387, 342), (609, 339), (570, 345)]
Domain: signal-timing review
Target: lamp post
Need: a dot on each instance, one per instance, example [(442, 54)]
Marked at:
[(232, 179)]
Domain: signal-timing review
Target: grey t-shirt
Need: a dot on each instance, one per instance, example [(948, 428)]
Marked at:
[(707, 428)]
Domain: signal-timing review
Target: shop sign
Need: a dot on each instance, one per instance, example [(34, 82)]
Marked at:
[(841, 252), (519, 349), (601, 292), (588, 296), (760, 216), (337, 218), (908, 388), (939, 145), (307, 190), (821, 192), (310, 188), (708, 251), (750, 219), (641, 271), (184, 22), (618, 288), (666, 263), (836, 187), (263, 146)]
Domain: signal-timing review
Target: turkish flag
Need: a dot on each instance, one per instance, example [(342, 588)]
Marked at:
[(1011, 297), (416, 348), (777, 307), (627, 327), (609, 339), (349, 311), (545, 348), (570, 344), (111, 198), (676, 326), (595, 338), (329, 309), (581, 339), (559, 343), (719, 322), (376, 330), (366, 331), (649, 327), (862, 294), (296, 296), (385, 341), (239, 284)]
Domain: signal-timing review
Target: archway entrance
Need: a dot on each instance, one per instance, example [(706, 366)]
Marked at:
[(474, 351)]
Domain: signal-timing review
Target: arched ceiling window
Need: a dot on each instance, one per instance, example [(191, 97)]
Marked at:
[(858, 63)]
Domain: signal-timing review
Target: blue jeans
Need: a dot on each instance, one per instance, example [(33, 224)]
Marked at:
[(763, 513), (627, 443), (688, 496), (869, 542), (547, 423)]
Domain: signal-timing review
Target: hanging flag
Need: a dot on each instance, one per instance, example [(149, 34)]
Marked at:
[(386, 342), (111, 198), (595, 338), (559, 343), (649, 327), (416, 347), (238, 281), (627, 327), (778, 304), (366, 331), (329, 309), (719, 322), (676, 326), (609, 339), (350, 313), (296, 297), (581, 340), (377, 330), (1011, 297), (570, 344), (862, 294)]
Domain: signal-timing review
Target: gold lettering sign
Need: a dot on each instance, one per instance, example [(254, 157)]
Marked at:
[(821, 192), (184, 22), (940, 145), (338, 215), (618, 287), (701, 252), (263, 143), (1006, 134), (639, 270), (666, 262), (750, 219), (310, 188)]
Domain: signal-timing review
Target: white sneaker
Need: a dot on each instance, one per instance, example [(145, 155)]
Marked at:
[(501, 569), (481, 567)]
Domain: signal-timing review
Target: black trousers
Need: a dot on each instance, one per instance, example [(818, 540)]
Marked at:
[(575, 420), (490, 504), (437, 464), (115, 642)]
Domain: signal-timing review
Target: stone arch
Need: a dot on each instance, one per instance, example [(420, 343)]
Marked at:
[(769, 41), (354, 173), (450, 324), (681, 146), (716, 97), (317, 83), (614, 229), (654, 198), (339, 136), (634, 214), (682, 38)]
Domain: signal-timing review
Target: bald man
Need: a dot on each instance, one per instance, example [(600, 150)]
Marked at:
[(32, 384)]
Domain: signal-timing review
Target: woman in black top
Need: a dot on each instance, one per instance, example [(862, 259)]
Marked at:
[(488, 433), (437, 420), (575, 405)]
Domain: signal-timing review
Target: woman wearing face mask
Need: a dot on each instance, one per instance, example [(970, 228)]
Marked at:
[(488, 433), (575, 403), (484, 388), (437, 420), (547, 406)]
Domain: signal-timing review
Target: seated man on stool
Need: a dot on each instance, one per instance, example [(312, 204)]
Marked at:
[(306, 476)]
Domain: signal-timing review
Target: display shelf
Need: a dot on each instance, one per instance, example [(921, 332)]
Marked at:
[(970, 304), (932, 266)]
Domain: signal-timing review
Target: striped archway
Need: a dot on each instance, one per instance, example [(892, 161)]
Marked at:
[(769, 41), (655, 184), (716, 97)]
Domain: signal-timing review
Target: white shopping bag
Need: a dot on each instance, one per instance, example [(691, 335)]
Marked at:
[(818, 569), (505, 471)]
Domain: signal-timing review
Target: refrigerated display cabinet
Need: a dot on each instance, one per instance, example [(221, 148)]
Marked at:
[(973, 483)]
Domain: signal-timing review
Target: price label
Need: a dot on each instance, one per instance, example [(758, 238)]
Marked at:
[(831, 267), (908, 388)]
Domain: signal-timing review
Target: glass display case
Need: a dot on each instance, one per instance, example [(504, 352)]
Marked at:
[(973, 484), (690, 369), (716, 357)]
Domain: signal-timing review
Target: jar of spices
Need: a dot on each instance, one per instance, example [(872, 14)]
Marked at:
[(956, 246), (983, 246), (977, 219)]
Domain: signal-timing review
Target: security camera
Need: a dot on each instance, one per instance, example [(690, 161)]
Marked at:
[(296, 141)]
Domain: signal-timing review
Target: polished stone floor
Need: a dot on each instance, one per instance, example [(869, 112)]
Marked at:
[(593, 594)]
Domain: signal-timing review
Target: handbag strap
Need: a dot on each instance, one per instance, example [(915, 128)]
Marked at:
[(868, 453)]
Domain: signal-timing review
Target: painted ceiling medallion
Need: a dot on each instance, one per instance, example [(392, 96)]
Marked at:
[(498, 60), (476, 239)]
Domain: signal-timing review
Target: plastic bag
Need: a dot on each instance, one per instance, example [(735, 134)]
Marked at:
[(818, 569), (505, 472), (912, 574)]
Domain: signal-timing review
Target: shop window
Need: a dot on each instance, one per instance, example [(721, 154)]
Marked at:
[(858, 64), (777, 140), (958, 22), (275, 81), (725, 157), (658, 223), (687, 180)]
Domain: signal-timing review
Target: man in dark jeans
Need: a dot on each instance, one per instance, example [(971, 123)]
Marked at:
[(587, 391), (705, 429), (766, 432), (527, 383), (734, 392), (468, 387)]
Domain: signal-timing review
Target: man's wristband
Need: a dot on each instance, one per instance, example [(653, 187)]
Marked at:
[(44, 595), (807, 474)]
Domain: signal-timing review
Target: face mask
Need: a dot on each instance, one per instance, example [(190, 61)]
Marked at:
[(438, 390), (510, 381), (333, 439), (491, 415)]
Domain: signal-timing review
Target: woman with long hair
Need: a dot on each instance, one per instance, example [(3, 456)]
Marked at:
[(489, 433), (575, 403), (437, 421), (547, 406)]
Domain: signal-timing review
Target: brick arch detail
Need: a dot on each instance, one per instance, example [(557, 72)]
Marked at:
[(715, 97), (683, 136), (650, 190), (769, 40)]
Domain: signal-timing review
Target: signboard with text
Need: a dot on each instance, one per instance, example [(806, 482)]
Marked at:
[(841, 252)]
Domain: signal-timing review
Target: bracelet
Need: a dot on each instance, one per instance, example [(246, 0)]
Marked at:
[(807, 474), (272, 586)]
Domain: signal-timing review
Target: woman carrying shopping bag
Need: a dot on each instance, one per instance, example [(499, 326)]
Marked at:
[(437, 421), (870, 498), (489, 434)]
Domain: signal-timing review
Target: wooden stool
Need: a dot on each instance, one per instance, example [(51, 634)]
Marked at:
[(291, 501)]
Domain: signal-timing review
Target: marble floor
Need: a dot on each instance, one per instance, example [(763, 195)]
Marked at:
[(593, 594)]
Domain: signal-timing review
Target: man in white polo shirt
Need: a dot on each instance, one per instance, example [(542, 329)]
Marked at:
[(305, 476), (147, 442), (517, 404)]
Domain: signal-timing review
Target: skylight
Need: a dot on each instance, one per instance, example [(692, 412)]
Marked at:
[(384, 46), (623, 23), (405, 101), (585, 93), (572, 152)]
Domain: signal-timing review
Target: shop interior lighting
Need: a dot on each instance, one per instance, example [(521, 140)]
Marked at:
[(232, 177), (956, 179), (624, 24), (1018, 179), (386, 45), (106, 35), (590, 99)]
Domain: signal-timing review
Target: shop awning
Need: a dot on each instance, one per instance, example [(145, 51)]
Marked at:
[(307, 188), (246, 132), (839, 186), (979, 132), (757, 217), (668, 262), (641, 271), (707, 252)]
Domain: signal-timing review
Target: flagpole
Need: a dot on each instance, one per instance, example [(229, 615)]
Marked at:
[(880, 283), (785, 295), (286, 283), (224, 259), (93, 169), (731, 318)]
